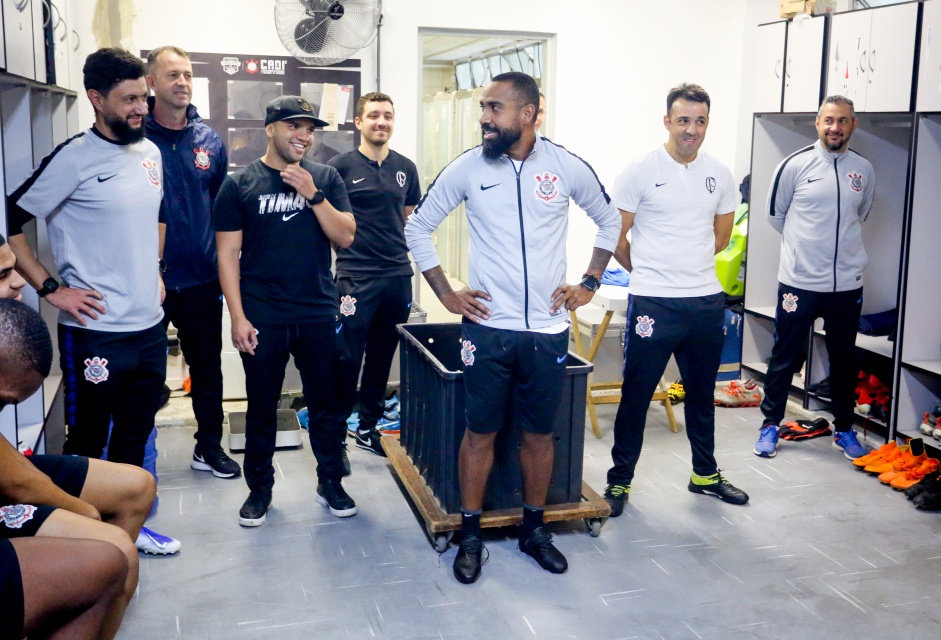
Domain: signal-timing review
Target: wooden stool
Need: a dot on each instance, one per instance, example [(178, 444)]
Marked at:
[(610, 392)]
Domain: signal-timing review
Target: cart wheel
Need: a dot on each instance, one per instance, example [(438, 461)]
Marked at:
[(594, 526), (442, 540)]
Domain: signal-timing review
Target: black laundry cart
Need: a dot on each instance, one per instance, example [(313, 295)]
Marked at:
[(425, 455)]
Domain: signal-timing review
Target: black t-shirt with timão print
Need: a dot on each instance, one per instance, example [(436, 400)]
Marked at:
[(285, 261)]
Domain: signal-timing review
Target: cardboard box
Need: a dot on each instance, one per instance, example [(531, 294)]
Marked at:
[(790, 8)]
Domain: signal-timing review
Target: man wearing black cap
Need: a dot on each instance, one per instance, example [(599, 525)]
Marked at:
[(275, 222)]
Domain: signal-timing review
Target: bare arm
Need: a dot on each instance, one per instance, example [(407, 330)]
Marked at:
[(22, 483), (229, 245), (722, 225), (623, 252), (465, 302), (339, 226), (162, 234), (79, 302), (407, 212)]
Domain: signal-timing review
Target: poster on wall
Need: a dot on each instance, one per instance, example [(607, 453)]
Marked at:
[(230, 92)]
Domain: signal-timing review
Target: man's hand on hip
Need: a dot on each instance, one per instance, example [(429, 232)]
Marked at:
[(572, 296), (467, 302), (78, 302)]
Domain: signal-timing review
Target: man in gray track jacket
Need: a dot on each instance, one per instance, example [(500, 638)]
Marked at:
[(516, 188), (819, 197)]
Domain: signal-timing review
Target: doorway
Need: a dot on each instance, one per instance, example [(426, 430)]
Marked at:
[(455, 66)]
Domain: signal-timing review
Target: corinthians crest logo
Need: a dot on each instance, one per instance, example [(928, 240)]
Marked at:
[(856, 181), (644, 326), (96, 369), (153, 176), (202, 158), (400, 178), (547, 189), (347, 305), (789, 302), (467, 352), (15, 515)]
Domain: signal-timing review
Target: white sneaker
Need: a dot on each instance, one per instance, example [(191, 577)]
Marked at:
[(155, 544)]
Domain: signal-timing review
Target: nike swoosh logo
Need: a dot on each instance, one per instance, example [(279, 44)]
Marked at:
[(100, 179), (358, 181), (483, 188), (287, 217), (561, 359), (809, 180), (659, 184), (339, 328)]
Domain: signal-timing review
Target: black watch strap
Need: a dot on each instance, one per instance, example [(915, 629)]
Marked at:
[(590, 282), (49, 285), (318, 198)]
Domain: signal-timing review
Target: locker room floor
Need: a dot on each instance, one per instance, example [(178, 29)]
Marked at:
[(821, 551)]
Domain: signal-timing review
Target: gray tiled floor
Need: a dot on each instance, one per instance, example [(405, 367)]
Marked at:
[(822, 551)]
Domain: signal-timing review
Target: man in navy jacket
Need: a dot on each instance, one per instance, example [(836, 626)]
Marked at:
[(194, 165)]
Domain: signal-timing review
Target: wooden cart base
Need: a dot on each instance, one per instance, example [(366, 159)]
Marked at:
[(440, 525)]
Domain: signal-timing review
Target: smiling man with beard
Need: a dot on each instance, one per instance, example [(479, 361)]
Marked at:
[(99, 194), (517, 189), (820, 197), (275, 222)]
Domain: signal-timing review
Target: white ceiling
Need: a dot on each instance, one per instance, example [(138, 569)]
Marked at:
[(447, 49)]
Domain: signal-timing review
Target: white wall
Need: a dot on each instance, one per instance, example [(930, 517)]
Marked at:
[(614, 62)]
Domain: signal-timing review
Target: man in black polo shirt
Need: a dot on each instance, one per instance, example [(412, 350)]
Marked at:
[(374, 275), (275, 221)]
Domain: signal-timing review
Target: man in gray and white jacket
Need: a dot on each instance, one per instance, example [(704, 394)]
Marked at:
[(820, 195), (517, 189)]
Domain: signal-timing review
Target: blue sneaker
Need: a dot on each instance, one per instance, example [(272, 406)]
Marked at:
[(303, 417), (391, 414), (385, 426), (767, 442), (392, 402), (151, 542), (846, 440), (352, 424)]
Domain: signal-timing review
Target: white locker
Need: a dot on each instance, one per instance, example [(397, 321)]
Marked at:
[(62, 37), (39, 42), (871, 57), (803, 70), (848, 59), (929, 69), (3, 49), (18, 35), (769, 67), (891, 58)]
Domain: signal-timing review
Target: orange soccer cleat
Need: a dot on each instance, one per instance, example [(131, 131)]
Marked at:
[(915, 475), (876, 455)]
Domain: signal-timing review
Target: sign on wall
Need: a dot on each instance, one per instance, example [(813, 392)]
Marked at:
[(230, 92)]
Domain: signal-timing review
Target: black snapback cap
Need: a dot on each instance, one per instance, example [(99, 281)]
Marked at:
[(290, 107)]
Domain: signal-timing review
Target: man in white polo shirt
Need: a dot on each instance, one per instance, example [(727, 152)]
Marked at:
[(678, 203)]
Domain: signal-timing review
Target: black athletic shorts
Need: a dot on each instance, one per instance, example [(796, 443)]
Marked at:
[(501, 365), (24, 520), (12, 609)]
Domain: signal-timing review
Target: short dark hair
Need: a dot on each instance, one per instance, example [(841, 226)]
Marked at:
[(153, 55), (837, 100), (523, 86), (107, 68), (690, 92), (25, 345), (375, 96)]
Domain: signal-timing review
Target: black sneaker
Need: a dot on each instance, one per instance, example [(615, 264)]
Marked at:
[(931, 483), (347, 469), (718, 486), (616, 495), (253, 512), (539, 545), (467, 562), (215, 460), (929, 501), (330, 493), (370, 441)]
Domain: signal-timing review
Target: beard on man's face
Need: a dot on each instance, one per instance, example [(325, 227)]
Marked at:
[(123, 131), (505, 138)]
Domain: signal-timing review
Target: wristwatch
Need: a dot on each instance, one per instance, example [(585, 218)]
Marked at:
[(162, 265), (318, 198), (50, 285), (590, 282)]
